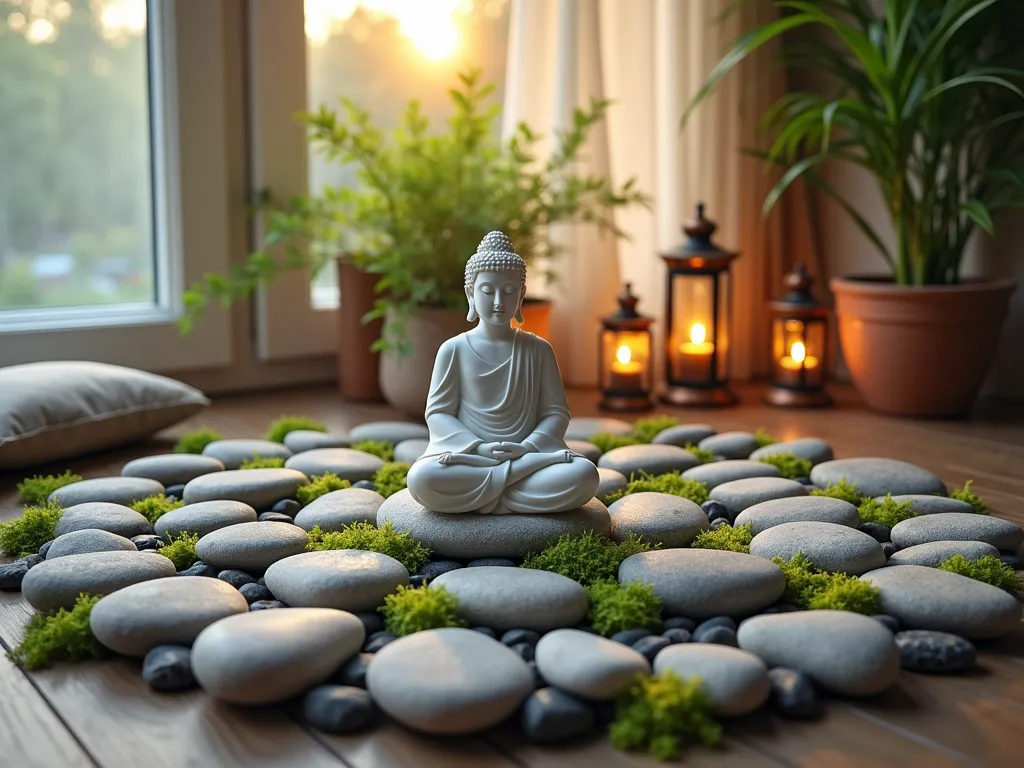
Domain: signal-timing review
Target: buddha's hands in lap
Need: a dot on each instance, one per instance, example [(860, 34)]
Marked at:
[(503, 451)]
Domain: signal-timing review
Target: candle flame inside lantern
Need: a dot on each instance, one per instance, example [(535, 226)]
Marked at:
[(623, 354), (698, 333), (798, 352)]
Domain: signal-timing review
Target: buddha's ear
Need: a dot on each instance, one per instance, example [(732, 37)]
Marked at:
[(472, 316), (519, 309)]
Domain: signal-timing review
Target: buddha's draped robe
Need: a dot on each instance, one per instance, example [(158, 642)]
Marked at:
[(473, 401)]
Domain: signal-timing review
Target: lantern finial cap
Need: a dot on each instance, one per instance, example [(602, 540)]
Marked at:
[(700, 228), (627, 302), (799, 280)]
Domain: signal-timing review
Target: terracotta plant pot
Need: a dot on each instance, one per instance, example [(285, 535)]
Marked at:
[(920, 351), (358, 367)]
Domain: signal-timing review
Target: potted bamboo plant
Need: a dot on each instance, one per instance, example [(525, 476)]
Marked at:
[(423, 203), (927, 97)]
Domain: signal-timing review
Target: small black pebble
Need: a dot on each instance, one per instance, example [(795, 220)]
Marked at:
[(515, 636), (877, 531), (168, 668), (253, 592), (718, 523), (378, 640), (338, 708), (500, 562), (719, 636), (708, 624), (147, 541), (538, 679), (551, 716), (261, 581), (679, 622), (417, 581), (274, 517), (46, 548), (288, 507), (177, 491), (11, 574), (486, 631), (922, 650), (525, 651), (30, 561), (372, 622), (353, 671), (804, 481), (677, 636), (890, 622), (650, 646), (715, 510), (793, 693), (630, 636), (1012, 559), (199, 568), (366, 485), (432, 570), (889, 549), (236, 578), (264, 605)]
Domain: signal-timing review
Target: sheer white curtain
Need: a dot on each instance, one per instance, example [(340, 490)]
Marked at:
[(649, 57)]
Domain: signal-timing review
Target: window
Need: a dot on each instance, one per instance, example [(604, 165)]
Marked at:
[(106, 211)]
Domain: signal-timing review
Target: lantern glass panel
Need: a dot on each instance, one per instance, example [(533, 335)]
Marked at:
[(798, 349), (692, 335), (626, 357)]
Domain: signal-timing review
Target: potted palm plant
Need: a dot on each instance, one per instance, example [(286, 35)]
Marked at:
[(423, 203), (926, 96)]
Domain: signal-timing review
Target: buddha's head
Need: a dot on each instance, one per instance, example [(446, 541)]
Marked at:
[(495, 281)]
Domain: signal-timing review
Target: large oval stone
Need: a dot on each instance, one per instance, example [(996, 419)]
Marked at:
[(955, 526), (934, 553), (232, 452), (263, 657), (736, 681), (660, 518), (392, 432), (585, 427), (448, 681), (589, 451), (730, 445), (877, 477), (701, 583), (203, 517), (741, 494), (814, 449), (347, 579), (172, 468), (588, 665), (844, 652), (346, 463), (798, 509), (717, 473), (173, 611), (259, 488), (683, 435), (927, 598), (251, 547), (103, 516), (652, 459), (111, 490), (55, 584), (925, 504), (515, 598), (830, 547), (299, 440), (610, 482), (469, 535), (337, 509), (88, 540)]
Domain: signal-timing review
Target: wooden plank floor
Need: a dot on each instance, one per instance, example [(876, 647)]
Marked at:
[(102, 714)]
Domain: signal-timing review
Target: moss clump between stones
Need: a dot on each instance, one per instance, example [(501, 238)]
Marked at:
[(280, 427), (725, 537), (181, 551), (989, 569), (36, 490), (671, 482), (615, 607), (587, 558), (789, 465), (259, 462), (26, 534), (966, 494), (886, 512), (61, 636), (195, 442), (391, 478), (647, 429), (842, 490), (412, 609), (381, 448), (605, 441), (660, 712), (811, 588), (703, 455), (368, 537), (764, 437), (156, 506), (320, 485)]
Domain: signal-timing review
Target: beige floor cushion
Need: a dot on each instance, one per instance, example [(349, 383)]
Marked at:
[(58, 410)]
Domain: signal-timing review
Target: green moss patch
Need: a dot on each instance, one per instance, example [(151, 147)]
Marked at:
[(411, 610), (587, 558), (391, 478), (280, 427), (61, 636), (789, 465), (886, 512), (703, 455), (181, 551), (36, 490), (381, 448), (368, 537), (989, 569), (764, 437), (966, 494), (648, 428), (725, 537), (811, 588), (605, 441), (842, 490), (26, 534), (320, 485), (662, 713), (156, 506), (615, 607), (670, 482), (196, 441), (260, 462)]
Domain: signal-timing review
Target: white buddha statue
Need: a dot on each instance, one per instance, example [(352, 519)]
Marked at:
[(497, 411)]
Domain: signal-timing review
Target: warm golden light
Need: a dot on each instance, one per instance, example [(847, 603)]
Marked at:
[(698, 333), (798, 352), (623, 354)]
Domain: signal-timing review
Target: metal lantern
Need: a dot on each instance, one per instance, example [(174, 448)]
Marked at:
[(625, 358), (698, 305), (799, 345)]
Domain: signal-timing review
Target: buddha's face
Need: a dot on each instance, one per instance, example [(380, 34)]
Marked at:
[(496, 296)]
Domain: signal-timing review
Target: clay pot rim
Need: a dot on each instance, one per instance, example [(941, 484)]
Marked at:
[(884, 285)]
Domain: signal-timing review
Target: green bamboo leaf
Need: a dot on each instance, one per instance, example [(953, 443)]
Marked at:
[(971, 78), (827, 116), (979, 214)]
